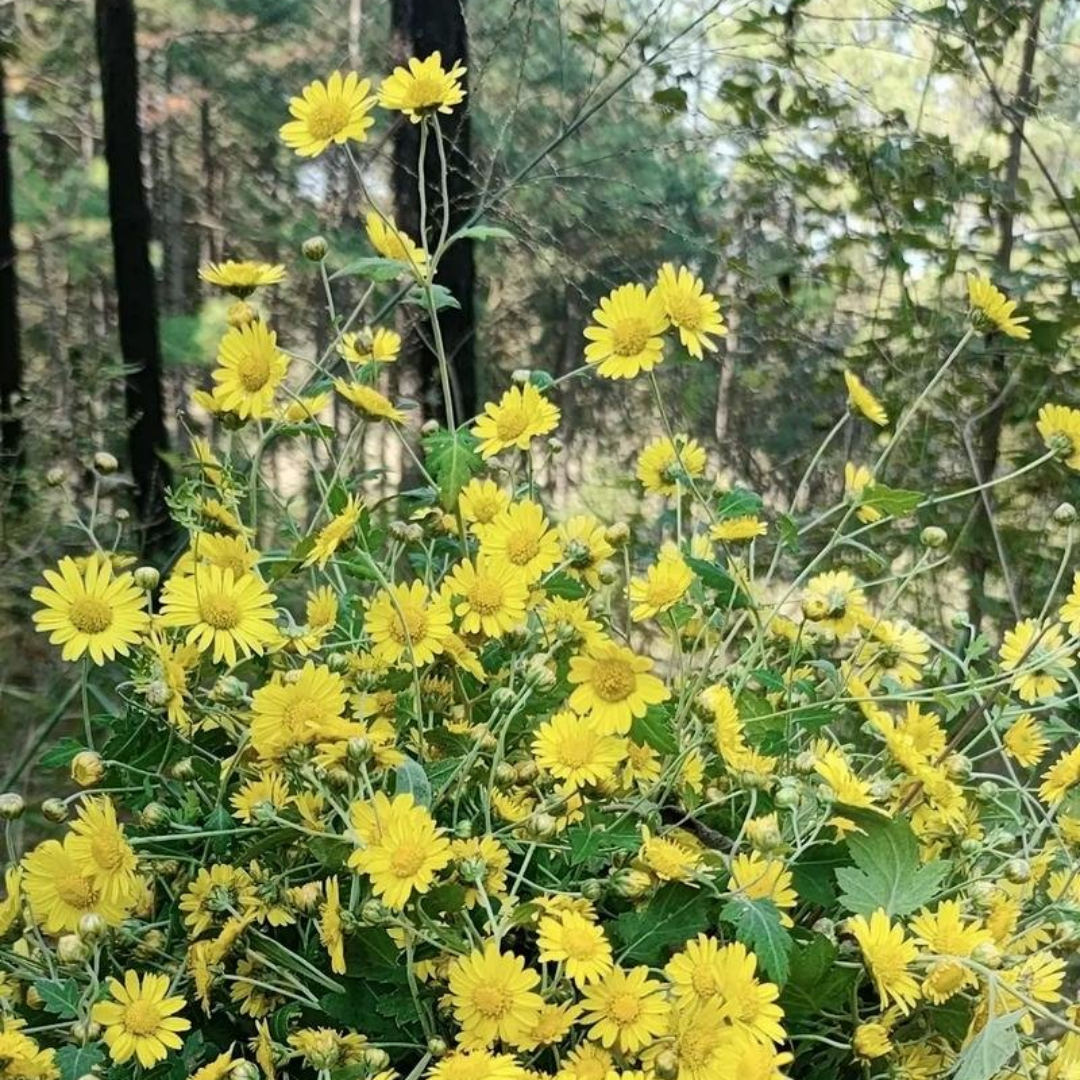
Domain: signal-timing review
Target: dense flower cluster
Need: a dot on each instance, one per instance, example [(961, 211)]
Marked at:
[(473, 793)]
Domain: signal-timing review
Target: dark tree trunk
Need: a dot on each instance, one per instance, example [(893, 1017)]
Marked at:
[(420, 27), (136, 301), (12, 451)]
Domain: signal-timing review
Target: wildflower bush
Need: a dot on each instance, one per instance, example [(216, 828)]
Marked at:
[(441, 788)]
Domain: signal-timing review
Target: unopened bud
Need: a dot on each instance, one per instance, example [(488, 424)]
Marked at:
[(54, 810), (502, 697), (240, 314), (429, 427), (55, 476), (12, 806), (542, 826), (1065, 514), (933, 536), (520, 376), (608, 573), (153, 815), (592, 890), (666, 1065), (505, 774), (555, 447), (244, 1070), (374, 913), (146, 577), (105, 463), (314, 248), (358, 749), (122, 515), (958, 767), (617, 535), (1018, 871), (377, 1059), (184, 769), (631, 883), (86, 1031), (787, 798), (87, 768), (72, 949), (92, 927), (987, 954)]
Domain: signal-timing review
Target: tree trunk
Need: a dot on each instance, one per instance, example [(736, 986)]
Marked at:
[(12, 450), (136, 301), (420, 27)]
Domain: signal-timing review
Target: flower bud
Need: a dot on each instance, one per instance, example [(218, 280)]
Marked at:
[(105, 463), (666, 1065), (463, 830), (502, 697), (987, 954), (12, 806), (314, 248), (55, 477), (826, 928), (592, 890), (244, 1070), (1018, 871), (122, 515), (54, 810), (505, 774), (377, 1059), (607, 572), (429, 427), (150, 944), (72, 949), (982, 894), (958, 767), (520, 376), (374, 913), (526, 771), (85, 1031), (87, 768), (787, 798), (631, 883), (153, 815), (987, 790), (92, 927), (240, 314), (33, 998), (184, 769), (158, 692), (358, 750), (555, 447), (538, 675), (933, 536), (542, 826), (971, 846), (1065, 514), (618, 534), (146, 577), (398, 529)]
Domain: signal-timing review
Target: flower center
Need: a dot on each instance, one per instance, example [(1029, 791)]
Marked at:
[(579, 943), (410, 626), (407, 860), (90, 615), (630, 336), (613, 679), (426, 91), (704, 982), (484, 510), (299, 714), (327, 119), (624, 1008), (522, 547), (510, 424), (110, 852), (575, 752), (253, 370), (77, 891), (491, 1001), (142, 1018), (486, 596), (220, 611), (684, 311)]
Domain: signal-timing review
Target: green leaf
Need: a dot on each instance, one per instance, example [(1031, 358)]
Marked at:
[(59, 755), (410, 779), (453, 461), (59, 998), (441, 297), (654, 728), (219, 820), (715, 577), (77, 1061), (991, 1050), (601, 834), (757, 926), (374, 269), (675, 914), (896, 502), (814, 982), (887, 872), (564, 586), (739, 503), (483, 232)]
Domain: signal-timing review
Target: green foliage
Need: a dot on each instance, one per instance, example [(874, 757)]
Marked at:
[(677, 912), (452, 459), (757, 925)]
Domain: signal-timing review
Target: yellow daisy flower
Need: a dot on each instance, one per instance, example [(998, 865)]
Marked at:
[(269, 793), (887, 953), (577, 942), (241, 278), (760, 878), (522, 414), (493, 995), (690, 309), (664, 465), (336, 532), (100, 849), (91, 611), (328, 113), (863, 401), (1038, 655), (1025, 742), (576, 751), (61, 890), (477, 1065), (250, 369), (213, 893), (1061, 777), (488, 860), (859, 481), (391, 243), (481, 502), (217, 549), (423, 88), (626, 1010), (520, 536), (368, 402), (303, 409), (330, 929), (947, 934), (22, 1057), (1060, 428), (289, 710), (834, 602), (139, 1019), (1069, 612), (991, 311), (492, 596), (612, 684), (665, 583), (627, 335), (667, 858), (739, 529), (378, 346), (407, 625), (585, 547)]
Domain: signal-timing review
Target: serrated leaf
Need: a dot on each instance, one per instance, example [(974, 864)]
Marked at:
[(564, 586), (76, 1061), (483, 232), (374, 268), (60, 754), (715, 577), (441, 297), (896, 502), (453, 461), (674, 914), (410, 779), (654, 728), (815, 982), (757, 926), (59, 998), (990, 1050), (739, 503), (888, 873)]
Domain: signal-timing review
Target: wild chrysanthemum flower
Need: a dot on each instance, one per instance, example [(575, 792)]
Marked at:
[(612, 684), (1059, 427), (230, 615), (61, 889), (481, 502), (667, 857), (863, 401), (749, 1004), (521, 536), (481, 860), (1069, 612), (477, 1065), (368, 402), (378, 346), (251, 368), (242, 278), (1025, 742), (101, 850), (406, 624), (859, 482), (947, 934), (91, 610), (213, 894), (491, 596), (213, 549), (1061, 777), (330, 929), (991, 311), (690, 309), (268, 793), (493, 995), (738, 529), (139, 1019), (423, 88), (328, 113), (288, 712), (391, 243), (337, 531), (834, 602), (585, 547), (664, 465), (888, 954), (626, 337), (760, 878), (403, 850), (894, 650), (577, 942), (1039, 656), (626, 1010), (871, 1039), (575, 750), (24, 1059), (522, 414), (665, 583), (553, 1023), (846, 787)]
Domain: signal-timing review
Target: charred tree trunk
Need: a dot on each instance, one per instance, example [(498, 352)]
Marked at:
[(136, 301), (12, 451), (420, 28)]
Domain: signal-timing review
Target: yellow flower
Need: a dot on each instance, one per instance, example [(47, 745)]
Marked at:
[(288, 711), (1061, 777), (1069, 612), (211, 549), (423, 88), (1025, 742), (612, 684), (90, 610), (335, 533), (485, 852), (887, 953), (863, 401), (576, 751), (664, 466), (23, 1059), (895, 650), (268, 793), (746, 527), (217, 1069), (327, 1050), (520, 536), (492, 596), (667, 858), (391, 243), (1060, 428), (494, 997), (11, 905), (871, 1039), (477, 1065), (481, 502), (403, 849), (859, 482), (213, 893), (834, 602), (368, 402), (241, 278), (407, 625), (250, 369), (991, 311), (330, 930), (1038, 656), (232, 613), (553, 1024), (139, 1020), (521, 415), (664, 585), (759, 878), (945, 933), (378, 346), (690, 309), (576, 941), (100, 849), (570, 618), (626, 337), (626, 1010), (332, 112), (61, 890), (847, 788), (584, 547)]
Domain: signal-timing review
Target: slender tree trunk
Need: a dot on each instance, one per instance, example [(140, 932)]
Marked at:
[(420, 28), (988, 437), (12, 450), (136, 301)]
